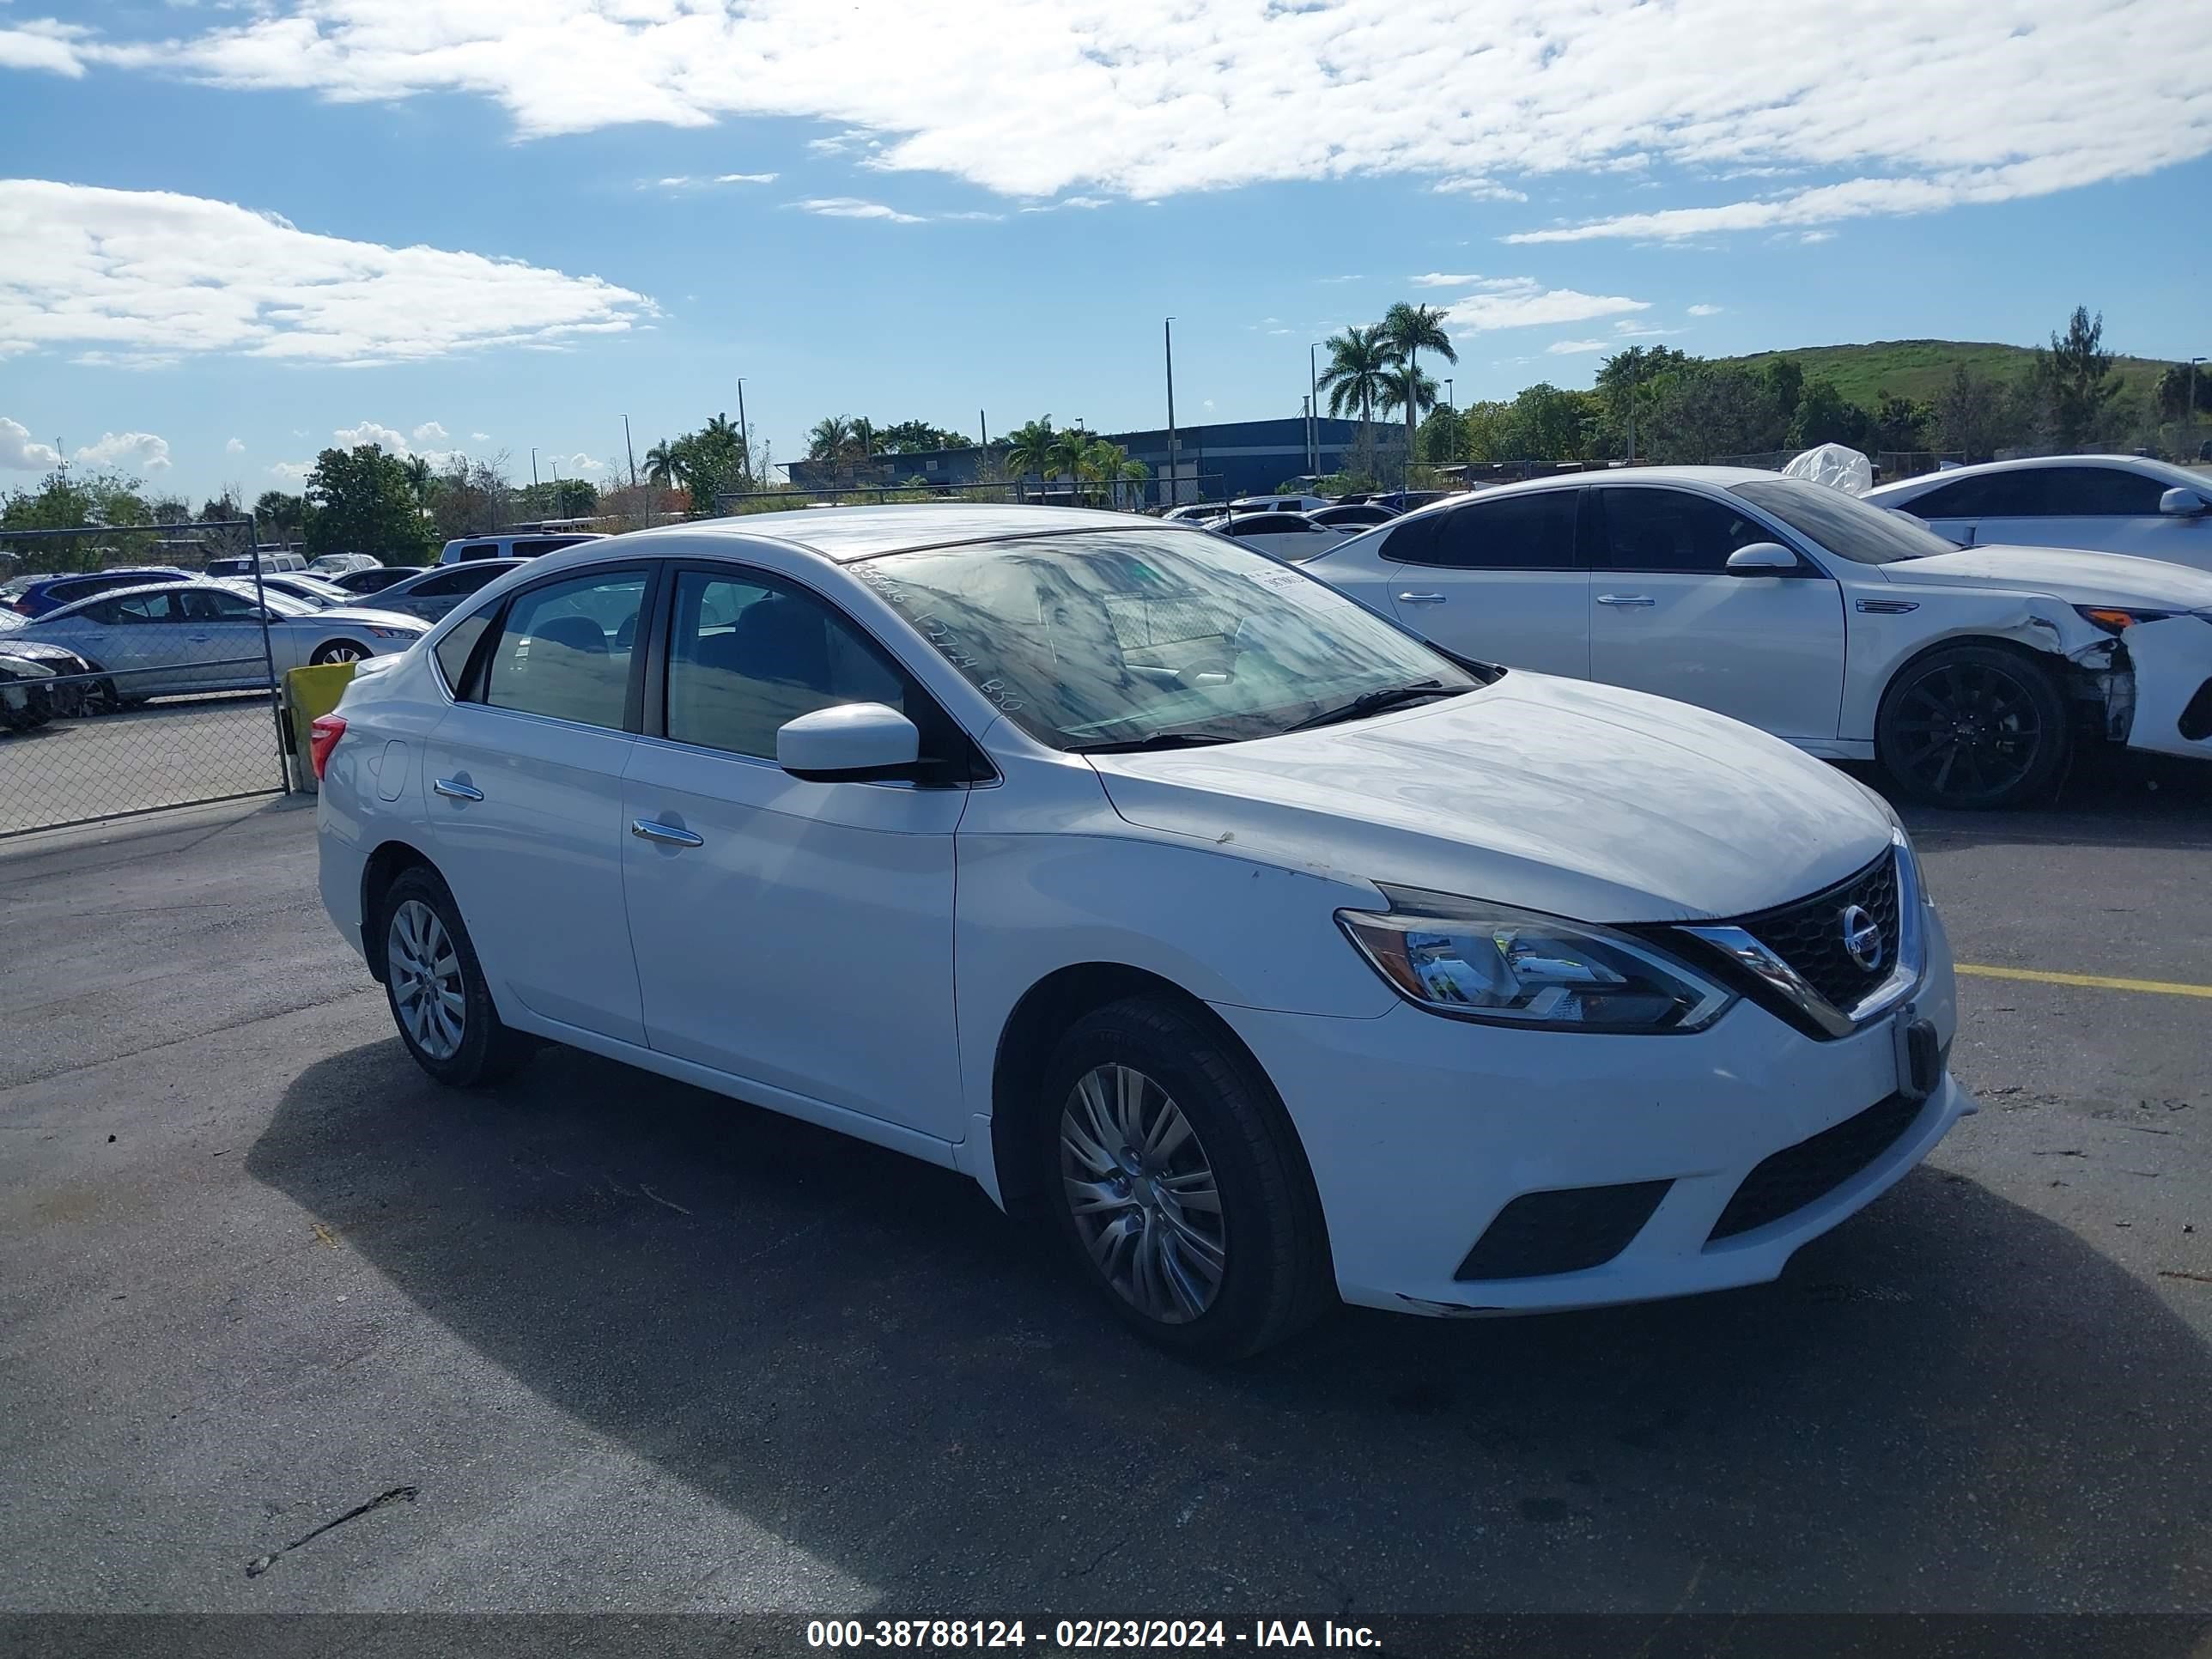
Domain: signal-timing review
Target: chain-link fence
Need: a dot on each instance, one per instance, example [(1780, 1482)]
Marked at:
[(135, 693), (1123, 494)]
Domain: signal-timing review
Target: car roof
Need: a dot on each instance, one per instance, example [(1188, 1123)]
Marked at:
[(852, 533), (2150, 464), (464, 564)]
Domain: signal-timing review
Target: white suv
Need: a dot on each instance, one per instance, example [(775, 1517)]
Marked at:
[(1272, 954), (526, 546)]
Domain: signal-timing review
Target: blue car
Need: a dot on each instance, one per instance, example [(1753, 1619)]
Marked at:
[(51, 593)]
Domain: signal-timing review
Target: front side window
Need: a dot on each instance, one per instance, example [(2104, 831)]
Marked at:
[(214, 604), (563, 650), (460, 643), (1126, 636), (2101, 492), (148, 608), (1671, 529), (747, 653)]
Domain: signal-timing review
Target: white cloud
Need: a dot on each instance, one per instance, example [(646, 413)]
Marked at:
[(1957, 99), (480, 437), (1481, 190), (1523, 302), (851, 207), (1811, 236), (431, 433), (744, 178), (687, 181), (43, 44), (578, 462), (235, 446), (293, 470), (1704, 311), (1570, 348), (19, 454), (371, 432), (137, 275), (1441, 279), (134, 452)]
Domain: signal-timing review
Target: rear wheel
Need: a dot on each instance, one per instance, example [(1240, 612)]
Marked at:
[(337, 651), (1974, 726), (1178, 1185), (436, 989)]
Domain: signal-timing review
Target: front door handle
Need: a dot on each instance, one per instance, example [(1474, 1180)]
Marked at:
[(454, 789), (647, 830), (1626, 598), (1420, 599)]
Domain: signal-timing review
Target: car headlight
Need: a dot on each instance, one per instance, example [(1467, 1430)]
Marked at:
[(395, 633), (2118, 618), (1492, 962)]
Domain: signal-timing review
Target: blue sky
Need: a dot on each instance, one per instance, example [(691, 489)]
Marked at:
[(231, 235)]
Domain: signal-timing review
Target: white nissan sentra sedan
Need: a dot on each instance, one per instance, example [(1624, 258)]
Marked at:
[(1276, 956)]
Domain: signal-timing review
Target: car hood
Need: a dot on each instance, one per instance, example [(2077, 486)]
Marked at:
[(1557, 795), (2076, 576), (15, 645)]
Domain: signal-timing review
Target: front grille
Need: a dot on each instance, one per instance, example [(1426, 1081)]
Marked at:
[(1808, 1172), (1562, 1231), (1809, 935)]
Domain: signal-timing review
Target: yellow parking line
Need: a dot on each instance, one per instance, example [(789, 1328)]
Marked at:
[(2097, 981)]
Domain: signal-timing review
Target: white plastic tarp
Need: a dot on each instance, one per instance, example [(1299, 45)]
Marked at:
[(1834, 464)]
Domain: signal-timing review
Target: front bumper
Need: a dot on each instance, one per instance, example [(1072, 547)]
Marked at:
[(2173, 662), (1421, 1130)]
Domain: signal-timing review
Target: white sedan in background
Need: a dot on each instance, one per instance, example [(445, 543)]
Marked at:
[(1291, 537), (1850, 631), (2106, 503), (1270, 955), (171, 637)]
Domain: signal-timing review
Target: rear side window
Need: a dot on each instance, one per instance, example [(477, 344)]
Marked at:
[(459, 581), (563, 650), (144, 608), (1672, 529), (1265, 524), (1534, 531), (478, 550), (458, 645), (1993, 495)]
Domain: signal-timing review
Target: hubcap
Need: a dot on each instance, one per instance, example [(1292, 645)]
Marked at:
[(1968, 732), (425, 972), (340, 653), (1144, 1198)]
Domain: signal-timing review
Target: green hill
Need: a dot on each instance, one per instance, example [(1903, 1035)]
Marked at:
[(1919, 368)]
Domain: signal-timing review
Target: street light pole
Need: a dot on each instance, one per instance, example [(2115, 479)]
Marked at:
[(2193, 361), (1312, 417), (627, 451), (1175, 475), (745, 432)]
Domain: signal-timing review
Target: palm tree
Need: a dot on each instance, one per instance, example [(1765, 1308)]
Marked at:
[(1067, 452), (663, 462), (1028, 448), (829, 438), (1411, 331), (418, 478), (1109, 464), (1409, 389), (1359, 361)]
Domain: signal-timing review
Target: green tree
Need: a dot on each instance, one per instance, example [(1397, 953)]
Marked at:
[(1408, 389), (1441, 439), (359, 500), (2075, 378), (1488, 427), (1825, 416), (1703, 412), (663, 465), (1785, 383), (1970, 416), (1545, 423), (1628, 383), (1066, 456), (418, 478), (277, 511), (1411, 330), (1359, 361), (1900, 423), (2171, 396), (1028, 448), (917, 437)]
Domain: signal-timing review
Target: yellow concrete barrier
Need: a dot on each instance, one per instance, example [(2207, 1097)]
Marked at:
[(310, 693)]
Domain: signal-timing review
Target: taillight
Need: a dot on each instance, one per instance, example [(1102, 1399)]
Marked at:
[(323, 736)]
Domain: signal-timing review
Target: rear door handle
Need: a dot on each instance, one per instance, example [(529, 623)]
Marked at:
[(1626, 598), (647, 830), (454, 789), (1420, 599)]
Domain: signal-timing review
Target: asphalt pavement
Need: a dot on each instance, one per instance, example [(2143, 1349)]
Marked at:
[(602, 1341)]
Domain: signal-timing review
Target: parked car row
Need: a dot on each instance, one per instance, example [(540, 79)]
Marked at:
[(1274, 955)]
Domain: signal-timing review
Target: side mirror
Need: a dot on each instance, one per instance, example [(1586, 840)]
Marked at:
[(1762, 559), (854, 743), (2183, 504)]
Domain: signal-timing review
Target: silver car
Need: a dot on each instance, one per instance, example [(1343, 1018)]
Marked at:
[(442, 586), (167, 638), (2106, 503)]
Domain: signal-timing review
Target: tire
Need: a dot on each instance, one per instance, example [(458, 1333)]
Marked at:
[(1977, 727), (1217, 1285), (330, 651), (484, 1051)]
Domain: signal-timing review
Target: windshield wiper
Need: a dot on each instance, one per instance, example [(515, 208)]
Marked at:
[(1157, 740), (1374, 702)]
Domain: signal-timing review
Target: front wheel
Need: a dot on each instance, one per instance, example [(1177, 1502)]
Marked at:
[(334, 651), (1973, 726), (1178, 1185), (436, 988)]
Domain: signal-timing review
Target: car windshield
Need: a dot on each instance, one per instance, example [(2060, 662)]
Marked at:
[(1127, 637), (284, 604), (1843, 525)]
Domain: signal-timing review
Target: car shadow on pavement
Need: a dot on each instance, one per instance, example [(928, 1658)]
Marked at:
[(1950, 1403)]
